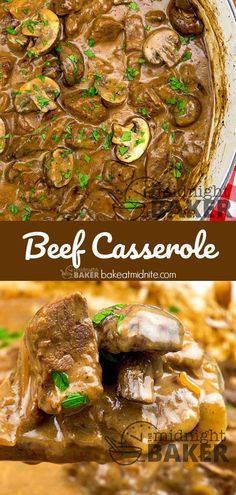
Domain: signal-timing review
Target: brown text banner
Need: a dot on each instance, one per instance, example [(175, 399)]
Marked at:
[(117, 251)]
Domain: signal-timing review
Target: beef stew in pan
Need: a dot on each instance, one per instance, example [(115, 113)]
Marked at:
[(106, 108)]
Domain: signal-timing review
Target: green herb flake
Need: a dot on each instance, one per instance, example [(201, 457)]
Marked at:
[(119, 306), (108, 141), (89, 53), (171, 101), (26, 216), (101, 315), (60, 379), (165, 127), (173, 309), (133, 6), (83, 179), (177, 171), (13, 209), (11, 30), (176, 84), (87, 158), (75, 400), (143, 111), (7, 338), (131, 205), (187, 55), (96, 135), (91, 42), (123, 149), (42, 101), (126, 136), (131, 73), (172, 136)]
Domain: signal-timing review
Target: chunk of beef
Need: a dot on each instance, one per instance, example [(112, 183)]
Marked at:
[(60, 338), (134, 33), (89, 108), (6, 66), (106, 29), (89, 12), (58, 362)]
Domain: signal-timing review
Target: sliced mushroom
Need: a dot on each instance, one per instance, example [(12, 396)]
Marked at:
[(185, 19), (112, 92), (2, 136), (135, 378), (72, 62), (23, 9), (59, 167), (132, 140), (188, 112), (17, 41), (44, 27), (138, 327), (155, 17), (134, 33), (162, 44), (39, 93)]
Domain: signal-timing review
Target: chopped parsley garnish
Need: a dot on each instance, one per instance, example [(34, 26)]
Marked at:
[(87, 158), (126, 136), (173, 309), (131, 205), (60, 379), (176, 84), (181, 105), (131, 73), (83, 179), (108, 141), (187, 55), (172, 136), (11, 30), (13, 209), (73, 58), (89, 53), (26, 216), (42, 101), (91, 42), (75, 400), (66, 174), (177, 171), (96, 135), (99, 317), (184, 40), (133, 6), (165, 126), (147, 27), (7, 338), (123, 149), (143, 111)]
